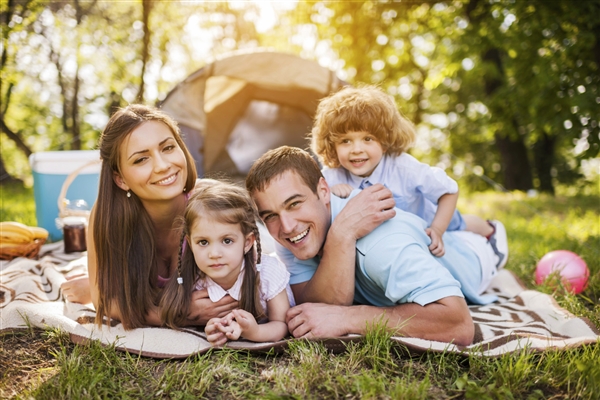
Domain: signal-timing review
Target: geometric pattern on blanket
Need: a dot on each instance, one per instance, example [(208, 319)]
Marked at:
[(30, 295)]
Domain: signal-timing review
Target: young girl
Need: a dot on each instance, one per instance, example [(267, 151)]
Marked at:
[(361, 138), (217, 254)]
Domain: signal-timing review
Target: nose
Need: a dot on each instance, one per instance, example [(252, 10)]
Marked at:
[(160, 163), (214, 252), (356, 147), (288, 223)]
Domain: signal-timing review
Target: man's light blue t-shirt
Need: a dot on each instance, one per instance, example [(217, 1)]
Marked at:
[(394, 264)]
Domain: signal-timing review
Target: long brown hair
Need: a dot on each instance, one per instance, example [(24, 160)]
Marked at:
[(127, 269), (230, 204)]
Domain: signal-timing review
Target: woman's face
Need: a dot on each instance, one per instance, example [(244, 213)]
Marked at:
[(152, 164)]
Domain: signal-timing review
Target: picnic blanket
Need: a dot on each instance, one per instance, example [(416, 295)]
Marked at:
[(30, 295)]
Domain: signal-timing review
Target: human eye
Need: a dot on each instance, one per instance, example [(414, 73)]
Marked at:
[(169, 147), (202, 242), (268, 217), (227, 241), (369, 138), (139, 160)]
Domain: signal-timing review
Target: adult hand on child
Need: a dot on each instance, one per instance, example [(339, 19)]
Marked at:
[(437, 244), (365, 212), (202, 309), (342, 190)]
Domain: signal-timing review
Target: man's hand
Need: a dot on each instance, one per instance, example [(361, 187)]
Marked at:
[(437, 244), (202, 309), (342, 190), (365, 211), (77, 289), (317, 320)]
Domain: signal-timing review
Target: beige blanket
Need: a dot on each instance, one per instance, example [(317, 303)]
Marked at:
[(30, 295)]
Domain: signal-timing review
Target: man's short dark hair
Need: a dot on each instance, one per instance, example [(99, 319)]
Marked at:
[(277, 161)]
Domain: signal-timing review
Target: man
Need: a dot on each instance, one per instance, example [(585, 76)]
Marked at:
[(341, 252)]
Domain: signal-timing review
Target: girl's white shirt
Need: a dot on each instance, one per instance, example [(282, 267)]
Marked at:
[(274, 278)]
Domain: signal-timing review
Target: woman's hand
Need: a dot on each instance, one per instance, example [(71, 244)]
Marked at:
[(202, 309), (77, 289)]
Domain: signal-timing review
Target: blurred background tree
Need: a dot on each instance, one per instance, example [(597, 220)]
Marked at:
[(502, 90)]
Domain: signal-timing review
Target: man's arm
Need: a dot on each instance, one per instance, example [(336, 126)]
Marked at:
[(360, 216), (446, 320)]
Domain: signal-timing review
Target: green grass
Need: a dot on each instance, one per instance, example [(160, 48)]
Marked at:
[(46, 365)]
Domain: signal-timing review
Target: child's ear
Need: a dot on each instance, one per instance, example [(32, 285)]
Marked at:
[(250, 238)]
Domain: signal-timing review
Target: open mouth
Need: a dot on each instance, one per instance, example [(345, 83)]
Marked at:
[(299, 237), (168, 180), (361, 161)]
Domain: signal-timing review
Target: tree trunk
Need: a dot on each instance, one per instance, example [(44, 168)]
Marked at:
[(146, 9), (5, 177), (513, 153), (543, 158), (515, 164), (75, 128)]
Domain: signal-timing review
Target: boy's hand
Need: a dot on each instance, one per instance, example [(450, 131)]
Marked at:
[(437, 244), (342, 190)]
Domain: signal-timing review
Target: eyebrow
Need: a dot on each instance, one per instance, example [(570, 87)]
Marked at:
[(146, 150), (285, 202)]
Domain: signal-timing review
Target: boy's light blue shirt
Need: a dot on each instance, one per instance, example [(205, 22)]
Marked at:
[(394, 265), (416, 186)]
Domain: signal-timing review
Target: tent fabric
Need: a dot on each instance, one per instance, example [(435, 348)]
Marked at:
[(240, 96)]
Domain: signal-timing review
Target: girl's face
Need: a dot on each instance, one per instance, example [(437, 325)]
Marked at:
[(152, 164), (359, 152), (219, 249)]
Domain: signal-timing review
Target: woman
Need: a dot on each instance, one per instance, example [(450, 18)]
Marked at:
[(146, 177)]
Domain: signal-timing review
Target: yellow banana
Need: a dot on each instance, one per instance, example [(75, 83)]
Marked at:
[(12, 232), (38, 232)]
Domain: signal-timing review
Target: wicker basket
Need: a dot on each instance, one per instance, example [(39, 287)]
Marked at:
[(28, 250), (63, 211)]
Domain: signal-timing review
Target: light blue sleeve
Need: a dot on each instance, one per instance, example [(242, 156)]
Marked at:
[(300, 270), (431, 182), (403, 273)]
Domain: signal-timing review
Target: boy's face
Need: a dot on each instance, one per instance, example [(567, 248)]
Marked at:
[(359, 152)]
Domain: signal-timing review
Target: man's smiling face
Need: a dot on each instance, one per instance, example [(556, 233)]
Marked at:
[(294, 215)]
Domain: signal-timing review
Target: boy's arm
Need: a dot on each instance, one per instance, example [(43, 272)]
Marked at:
[(443, 216)]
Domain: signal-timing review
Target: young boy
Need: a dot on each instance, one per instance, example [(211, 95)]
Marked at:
[(361, 138)]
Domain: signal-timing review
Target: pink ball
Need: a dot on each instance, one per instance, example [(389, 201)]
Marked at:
[(572, 269)]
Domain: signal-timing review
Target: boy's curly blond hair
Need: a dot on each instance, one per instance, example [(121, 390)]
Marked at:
[(353, 109)]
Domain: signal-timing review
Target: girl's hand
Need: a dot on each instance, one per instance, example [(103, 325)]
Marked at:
[(202, 309), (437, 244), (342, 190), (246, 322), (214, 335)]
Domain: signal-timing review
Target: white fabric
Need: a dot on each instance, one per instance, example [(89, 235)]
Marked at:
[(274, 278), (484, 251)]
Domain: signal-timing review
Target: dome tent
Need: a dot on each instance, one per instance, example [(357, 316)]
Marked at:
[(234, 109)]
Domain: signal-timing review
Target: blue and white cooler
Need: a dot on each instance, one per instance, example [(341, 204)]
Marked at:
[(50, 170)]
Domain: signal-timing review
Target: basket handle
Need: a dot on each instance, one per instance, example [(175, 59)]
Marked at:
[(67, 183)]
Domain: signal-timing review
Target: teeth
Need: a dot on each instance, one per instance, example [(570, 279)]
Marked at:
[(167, 180), (299, 237)]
